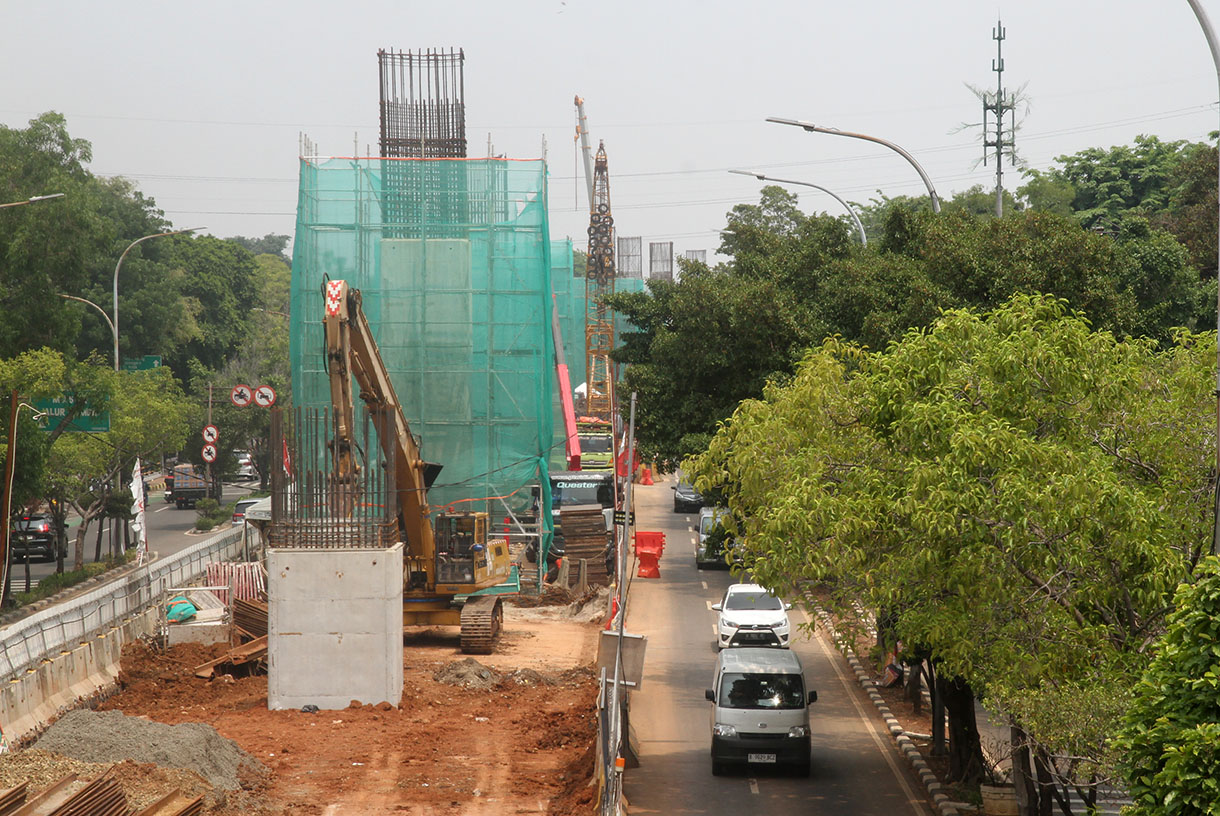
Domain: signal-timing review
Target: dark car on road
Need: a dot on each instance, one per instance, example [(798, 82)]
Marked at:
[(33, 535), (686, 498)]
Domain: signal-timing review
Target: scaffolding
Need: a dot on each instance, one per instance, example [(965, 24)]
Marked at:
[(459, 299)]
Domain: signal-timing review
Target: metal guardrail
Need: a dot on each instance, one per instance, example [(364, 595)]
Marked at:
[(29, 640)]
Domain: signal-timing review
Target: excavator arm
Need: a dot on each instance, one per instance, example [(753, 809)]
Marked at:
[(352, 352)]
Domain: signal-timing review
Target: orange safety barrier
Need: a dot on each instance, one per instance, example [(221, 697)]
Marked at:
[(649, 547), (646, 476)]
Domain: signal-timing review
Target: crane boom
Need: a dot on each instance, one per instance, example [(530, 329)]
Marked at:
[(351, 351)]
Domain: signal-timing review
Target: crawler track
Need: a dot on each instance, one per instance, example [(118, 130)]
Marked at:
[(482, 619)]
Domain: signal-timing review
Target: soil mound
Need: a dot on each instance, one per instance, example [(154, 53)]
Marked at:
[(468, 673), (111, 736)]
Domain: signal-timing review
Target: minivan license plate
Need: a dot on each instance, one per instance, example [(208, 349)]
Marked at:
[(761, 758)]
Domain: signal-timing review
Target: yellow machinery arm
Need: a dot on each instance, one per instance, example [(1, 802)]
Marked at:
[(352, 351)]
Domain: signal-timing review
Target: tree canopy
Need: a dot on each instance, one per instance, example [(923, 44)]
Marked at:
[(1021, 493)]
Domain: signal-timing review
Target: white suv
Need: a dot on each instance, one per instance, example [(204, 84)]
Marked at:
[(751, 616)]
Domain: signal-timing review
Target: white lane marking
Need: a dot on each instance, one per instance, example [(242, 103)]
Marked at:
[(716, 632), (690, 528), (166, 507), (754, 786), (708, 604), (917, 803), (704, 586)]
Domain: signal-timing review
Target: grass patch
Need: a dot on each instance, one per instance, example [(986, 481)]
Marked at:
[(62, 580)]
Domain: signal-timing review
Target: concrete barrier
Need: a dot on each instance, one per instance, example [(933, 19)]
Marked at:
[(64, 681)]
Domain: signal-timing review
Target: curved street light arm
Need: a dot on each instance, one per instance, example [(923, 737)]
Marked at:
[(831, 193), (809, 126), (101, 311), (117, 267), (33, 199)]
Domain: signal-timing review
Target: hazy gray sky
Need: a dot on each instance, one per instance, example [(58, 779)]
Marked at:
[(201, 104)]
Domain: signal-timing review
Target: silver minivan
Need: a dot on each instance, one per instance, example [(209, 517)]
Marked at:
[(760, 710)]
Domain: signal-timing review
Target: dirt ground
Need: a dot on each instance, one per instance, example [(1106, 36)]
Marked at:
[(517, 737)]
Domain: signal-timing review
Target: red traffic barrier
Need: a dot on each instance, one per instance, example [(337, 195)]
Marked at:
[(649, 547), (613, 613), (646, 476)]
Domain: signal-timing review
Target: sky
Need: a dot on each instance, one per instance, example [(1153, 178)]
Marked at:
[(202, 105)]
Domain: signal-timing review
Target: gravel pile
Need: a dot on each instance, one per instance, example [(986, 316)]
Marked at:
[(112, 736), (468, 673)]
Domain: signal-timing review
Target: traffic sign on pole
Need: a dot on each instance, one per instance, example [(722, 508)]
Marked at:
[(264, 396), (241, 395), (209, 453), (210, 433)]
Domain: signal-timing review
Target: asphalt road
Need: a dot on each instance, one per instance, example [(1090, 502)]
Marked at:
[(168, 529), (855, 767)]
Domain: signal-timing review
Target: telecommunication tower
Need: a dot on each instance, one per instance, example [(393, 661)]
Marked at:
[(996, 106), (599, 284)]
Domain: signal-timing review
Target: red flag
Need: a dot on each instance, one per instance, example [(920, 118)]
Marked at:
[(287, 461)]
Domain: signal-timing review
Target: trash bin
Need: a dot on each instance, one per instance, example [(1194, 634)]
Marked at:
[(649, 547)]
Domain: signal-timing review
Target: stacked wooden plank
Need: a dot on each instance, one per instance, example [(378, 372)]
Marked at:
[(584, 537), (245, 659), (249, 619)]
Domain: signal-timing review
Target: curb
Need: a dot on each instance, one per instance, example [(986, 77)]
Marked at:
[(908, 748)]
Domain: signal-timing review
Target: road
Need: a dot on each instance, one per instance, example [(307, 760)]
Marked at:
[(855, 767), (167, 534)]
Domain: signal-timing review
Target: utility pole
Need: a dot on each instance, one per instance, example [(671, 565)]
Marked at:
[(997, 106)]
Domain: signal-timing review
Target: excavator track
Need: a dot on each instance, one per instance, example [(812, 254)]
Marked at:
[(482, 619)]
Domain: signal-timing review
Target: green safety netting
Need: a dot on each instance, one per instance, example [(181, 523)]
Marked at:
[(453, 260)]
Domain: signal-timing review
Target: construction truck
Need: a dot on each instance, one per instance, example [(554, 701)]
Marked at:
[(447, 557), (188, 486)]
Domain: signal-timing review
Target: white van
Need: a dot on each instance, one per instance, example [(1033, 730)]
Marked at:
[(760, 710)]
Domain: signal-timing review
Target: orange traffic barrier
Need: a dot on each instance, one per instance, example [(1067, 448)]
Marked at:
[(646, 476), (649, 547)]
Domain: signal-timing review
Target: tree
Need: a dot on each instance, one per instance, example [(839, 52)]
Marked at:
[(219, 285), (702, 345), (1171, 743), (1108, 184), (269, 244), (1002, 485)]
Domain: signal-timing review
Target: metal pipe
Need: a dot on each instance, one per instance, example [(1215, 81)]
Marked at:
[(1214, 45), (850, 211), (32, 200), (809, 126)]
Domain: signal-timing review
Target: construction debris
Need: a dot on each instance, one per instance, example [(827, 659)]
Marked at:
[(249, 658), (249, 620)]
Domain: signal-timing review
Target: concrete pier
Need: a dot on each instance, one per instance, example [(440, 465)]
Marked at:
[(335, 627)]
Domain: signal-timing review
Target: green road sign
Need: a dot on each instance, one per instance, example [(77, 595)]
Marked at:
[(55, 409), (141, 363)]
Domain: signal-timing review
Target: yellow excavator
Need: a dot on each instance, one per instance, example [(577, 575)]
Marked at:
[(445, 559)]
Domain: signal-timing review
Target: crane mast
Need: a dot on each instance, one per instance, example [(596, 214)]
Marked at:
[(599, 284)]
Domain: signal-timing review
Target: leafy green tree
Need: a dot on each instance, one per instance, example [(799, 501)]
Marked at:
[(49, 246), (1191, 215), (1171, 743), (219, 279), (1108, 184), (1002, 485), (689, 380), (980, 203), (269, 244)]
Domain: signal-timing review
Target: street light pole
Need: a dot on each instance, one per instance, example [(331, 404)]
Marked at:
[(114, 326), (809, 126), (850, 211), (1214, 45)]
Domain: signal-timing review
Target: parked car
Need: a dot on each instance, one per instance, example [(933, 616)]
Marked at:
[(760, 711), (686, 498), (239, 510), (33, 535), (751, 616)]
